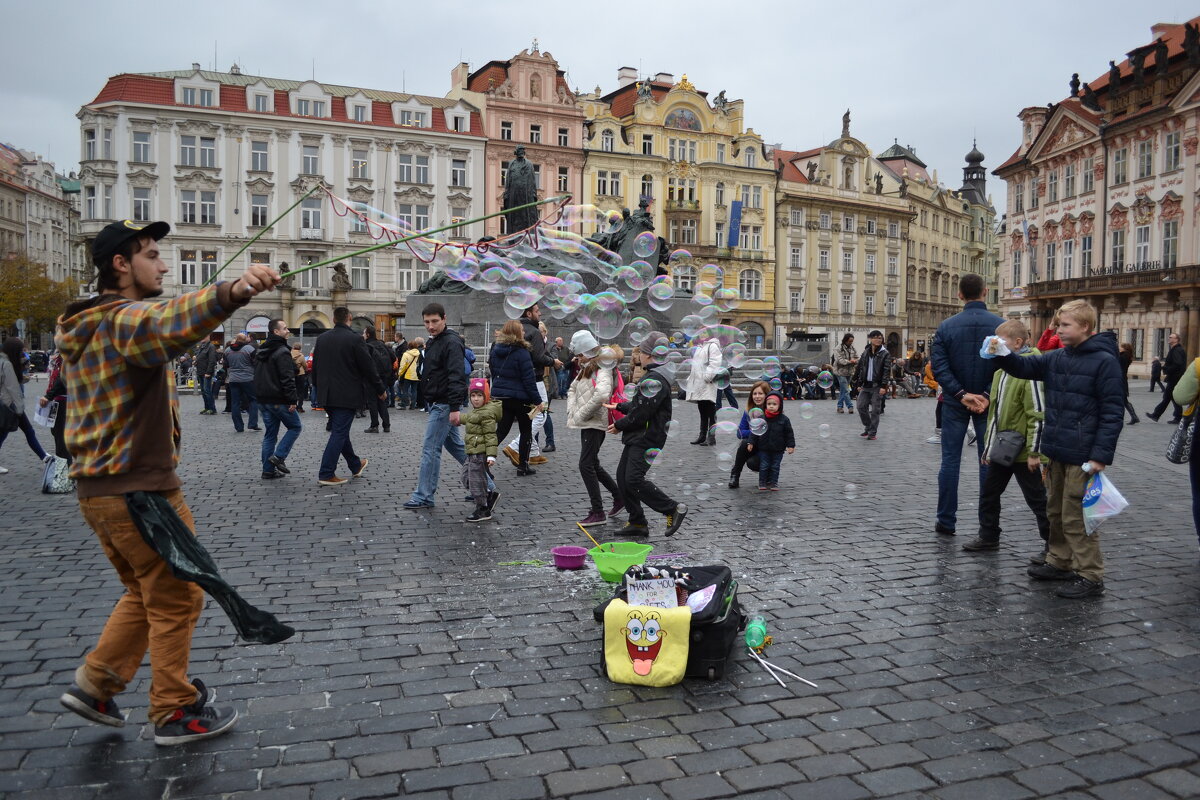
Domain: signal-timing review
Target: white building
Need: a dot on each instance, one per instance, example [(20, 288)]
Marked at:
[(221, 154)]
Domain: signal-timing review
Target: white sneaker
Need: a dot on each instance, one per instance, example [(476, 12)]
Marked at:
[(970, 436), (3, 470), (935, 439)]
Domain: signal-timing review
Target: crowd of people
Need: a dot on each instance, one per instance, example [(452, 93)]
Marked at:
[(1048, 416)]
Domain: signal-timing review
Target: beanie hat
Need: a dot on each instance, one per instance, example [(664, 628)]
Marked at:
[(480, 385), (583, 342), (777, 396), (652, 340)]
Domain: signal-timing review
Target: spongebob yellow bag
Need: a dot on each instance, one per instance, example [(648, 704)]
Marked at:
[(646, 646)]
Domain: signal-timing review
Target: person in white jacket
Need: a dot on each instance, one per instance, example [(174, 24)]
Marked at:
[(591, 389), (701, 386)]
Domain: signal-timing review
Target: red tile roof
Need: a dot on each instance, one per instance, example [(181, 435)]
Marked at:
[(1172, 36), (160, 91), (488, 76), (788, 162)]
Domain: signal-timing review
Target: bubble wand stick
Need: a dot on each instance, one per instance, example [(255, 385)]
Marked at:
[(404, 239), (270, 225)]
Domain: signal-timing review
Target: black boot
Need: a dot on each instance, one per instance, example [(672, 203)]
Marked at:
[(735, 479), (701, 439)]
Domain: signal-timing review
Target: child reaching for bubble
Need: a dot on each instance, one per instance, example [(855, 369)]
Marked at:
[(771, 439), (480, 423)]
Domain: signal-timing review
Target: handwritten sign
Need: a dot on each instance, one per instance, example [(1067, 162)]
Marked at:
[(657, 592)]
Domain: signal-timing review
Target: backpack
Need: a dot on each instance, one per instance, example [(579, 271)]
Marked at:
[(382, 358), (618, 396), (468, 360)]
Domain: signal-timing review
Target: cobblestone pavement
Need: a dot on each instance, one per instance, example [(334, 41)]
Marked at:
[(424, 668)]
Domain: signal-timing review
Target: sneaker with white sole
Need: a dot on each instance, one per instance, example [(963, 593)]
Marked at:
[(193, 723), (103, 711)]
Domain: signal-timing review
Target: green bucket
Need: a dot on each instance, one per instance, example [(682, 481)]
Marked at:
[(613, 558)]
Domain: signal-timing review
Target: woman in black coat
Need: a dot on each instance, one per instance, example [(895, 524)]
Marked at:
[(515, 386), (1126, 358)]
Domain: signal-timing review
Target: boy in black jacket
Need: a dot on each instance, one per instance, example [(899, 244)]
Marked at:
[(643, 433), (1085, 408), (771, 437)]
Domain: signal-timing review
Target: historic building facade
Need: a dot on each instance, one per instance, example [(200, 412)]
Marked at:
[(51, 219), (525, 102), (840, 244), (1102, 199), (708, 180), (221, 154)]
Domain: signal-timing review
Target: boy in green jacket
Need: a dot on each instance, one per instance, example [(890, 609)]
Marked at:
[(481, 442), (1016, 405)]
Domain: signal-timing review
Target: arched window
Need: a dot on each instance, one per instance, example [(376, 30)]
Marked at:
[(750, 284), (751, 157), (606, 141), (755, 334), (720, 194), (684, 278), (647, 187)]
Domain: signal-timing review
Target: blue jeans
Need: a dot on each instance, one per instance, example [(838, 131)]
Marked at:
[(243, 392), (955, 418), (844, 394), (30, 437), (207, 392), (273, 415), (768, 468), (564, 381), (727, 392), (439, 433), (340, 420)]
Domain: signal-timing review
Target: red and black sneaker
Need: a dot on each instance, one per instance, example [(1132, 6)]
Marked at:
[(193, 723), (103, 711)]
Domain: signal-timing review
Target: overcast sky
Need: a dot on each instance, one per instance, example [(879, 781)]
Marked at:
[(931, 74)]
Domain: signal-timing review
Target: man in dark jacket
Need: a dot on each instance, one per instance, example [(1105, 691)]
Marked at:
[(871, 376), (275, 386), (346, 381), (542, 360), (444, 386), (643, 432), (1085, 408), (239, 376), (1174, 367), (965, 379), (382, 358), (206, 365)]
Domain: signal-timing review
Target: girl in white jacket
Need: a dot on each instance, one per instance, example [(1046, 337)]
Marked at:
[(591, 389), (701, 387)]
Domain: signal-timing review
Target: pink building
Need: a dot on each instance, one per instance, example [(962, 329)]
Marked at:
[(525, 101)]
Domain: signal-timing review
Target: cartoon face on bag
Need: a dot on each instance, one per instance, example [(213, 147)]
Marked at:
[(644, 637)]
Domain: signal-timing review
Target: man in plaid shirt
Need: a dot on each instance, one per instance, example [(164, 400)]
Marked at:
[(123, 431)]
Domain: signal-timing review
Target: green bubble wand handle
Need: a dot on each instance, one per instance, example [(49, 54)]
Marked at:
[(393, 243), (256, 237)]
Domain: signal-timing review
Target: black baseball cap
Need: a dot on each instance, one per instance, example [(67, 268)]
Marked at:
[(115, 234)]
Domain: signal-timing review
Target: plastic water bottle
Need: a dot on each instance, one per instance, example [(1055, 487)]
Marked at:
[(756, 632)]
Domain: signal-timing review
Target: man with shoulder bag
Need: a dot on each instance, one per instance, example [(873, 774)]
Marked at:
[(1010, 449)]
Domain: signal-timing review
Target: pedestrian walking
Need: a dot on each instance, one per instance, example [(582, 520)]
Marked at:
[(385, 366), (301, 365), (206, 364), (643, 432), (515, 385), (346, 381), (239, 366), (542, 360), (409, 374), (479, 420), (1187, 390), (965, 379), (1156, 375), (845, 360), (1084, 412), (12, 393), (744, 457), (771, 439), (56, 392), (701, 385), (278, 399), (592, 388), (871, 377), (124, 432), (1173, 368), (1126, 358)]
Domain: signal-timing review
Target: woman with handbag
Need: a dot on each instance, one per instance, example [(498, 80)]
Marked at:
[(1186, 393), (12, 397), (592, 388), (514, 384), (701, 386), (56, 392)]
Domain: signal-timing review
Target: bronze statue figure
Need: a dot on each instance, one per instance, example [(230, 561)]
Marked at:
[(520, 188), (341, 279), (1075, 85)]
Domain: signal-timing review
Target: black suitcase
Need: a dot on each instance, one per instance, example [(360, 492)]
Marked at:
[(715, 627)]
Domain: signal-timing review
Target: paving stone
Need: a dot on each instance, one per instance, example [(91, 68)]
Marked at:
[(585, 780), (761, 776), (895, 780), (698, 787)]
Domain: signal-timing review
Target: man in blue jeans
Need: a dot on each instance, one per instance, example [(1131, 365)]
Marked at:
[(346, 381), (206, 365), (444, 387), (239, 364), (966, 380), (278, 396)]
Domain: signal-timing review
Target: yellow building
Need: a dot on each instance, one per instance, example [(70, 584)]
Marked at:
[(709, 182), (840, 253), (950, 235)]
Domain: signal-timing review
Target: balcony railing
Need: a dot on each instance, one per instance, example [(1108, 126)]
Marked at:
[(312, 233), (1144, 275)]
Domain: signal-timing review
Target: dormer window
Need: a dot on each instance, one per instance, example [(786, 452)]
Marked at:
[(262, 103), (458, 123), (193, 96), (607, 140), (414, 119), (310, 108), (751, 158), (360, 113)]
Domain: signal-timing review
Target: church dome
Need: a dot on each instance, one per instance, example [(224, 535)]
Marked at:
[(974, 157)]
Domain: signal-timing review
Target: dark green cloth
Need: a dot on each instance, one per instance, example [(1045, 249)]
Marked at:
[(170, 537)]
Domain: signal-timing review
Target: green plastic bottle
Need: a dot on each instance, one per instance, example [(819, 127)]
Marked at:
[(756, 632)]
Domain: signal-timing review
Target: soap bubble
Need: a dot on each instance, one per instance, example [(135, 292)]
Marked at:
[(687, 488), (613, 221), (711, 274), (691, 324), (735, 355), (702, 491), (729, 414), (772, 366), (650, 387), (755, 413), (722, 379), (823, 431), (661, 295), (679, 258), (606, 358), (725, 427), (825, 379), (752, 368), (673, 429), (701, 297), (851, 491), (637, 329), (806, 410), (651, 454), (644, 244), (724, 457), (726, 299), (758, 426), (776, 384)]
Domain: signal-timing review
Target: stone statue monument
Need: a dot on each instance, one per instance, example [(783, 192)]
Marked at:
[(1074, 85), (720, 103), (846, 124), (520, 187), (878, 183), (341, 279)]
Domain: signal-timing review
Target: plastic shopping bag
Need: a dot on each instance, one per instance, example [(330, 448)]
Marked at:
[(1101, 500), (993, 346)]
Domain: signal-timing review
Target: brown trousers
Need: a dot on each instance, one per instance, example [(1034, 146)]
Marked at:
[(157, 611), (1069, 545)]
